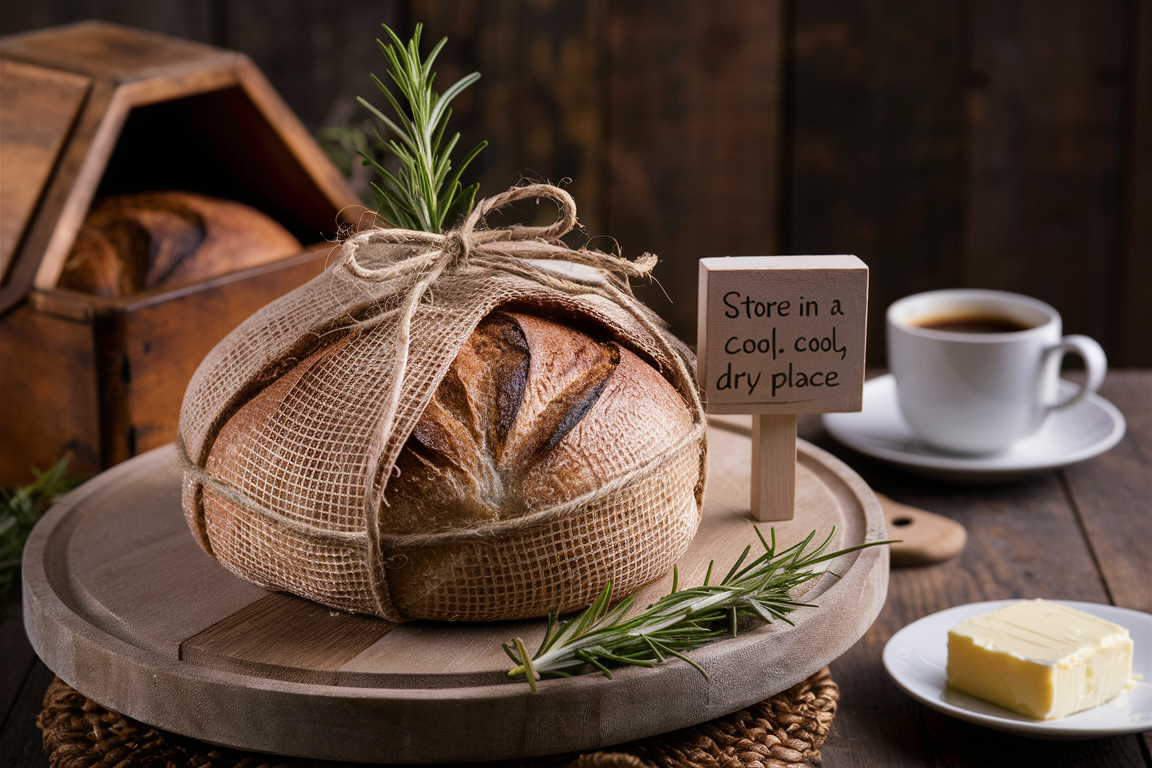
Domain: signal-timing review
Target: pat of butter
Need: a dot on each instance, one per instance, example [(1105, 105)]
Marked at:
[(1040, 659)]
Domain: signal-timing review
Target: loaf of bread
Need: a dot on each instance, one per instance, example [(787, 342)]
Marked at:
[(142, 240), (448, 430), (532, 414)]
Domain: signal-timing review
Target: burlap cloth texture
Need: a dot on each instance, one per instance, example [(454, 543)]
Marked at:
[(784, 731), (300, 510)]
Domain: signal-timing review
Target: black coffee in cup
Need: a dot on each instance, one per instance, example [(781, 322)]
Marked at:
[(972, 324), (977, 370)]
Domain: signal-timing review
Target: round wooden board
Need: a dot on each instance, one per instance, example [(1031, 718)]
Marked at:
[(123, 605)]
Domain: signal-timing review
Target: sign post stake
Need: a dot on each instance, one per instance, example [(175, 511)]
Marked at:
[(778, 336), (773, 466)]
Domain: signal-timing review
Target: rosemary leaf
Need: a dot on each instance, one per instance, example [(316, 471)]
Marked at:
[(685, 619), (19, 511), (424, 193)]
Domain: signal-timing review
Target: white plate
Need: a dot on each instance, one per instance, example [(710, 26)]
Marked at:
[(1074, 434), (916, 658)]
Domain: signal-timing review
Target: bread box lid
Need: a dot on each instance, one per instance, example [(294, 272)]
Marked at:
[(97, 108)]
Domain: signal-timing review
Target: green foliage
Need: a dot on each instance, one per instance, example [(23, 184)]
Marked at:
[(344, 143), (19, 511), (425, 193), (599, 638), (347, 146)]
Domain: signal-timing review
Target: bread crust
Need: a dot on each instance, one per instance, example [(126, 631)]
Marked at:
[(132, 242)]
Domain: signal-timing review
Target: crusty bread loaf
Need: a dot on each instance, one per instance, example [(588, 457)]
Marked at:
[(142, 240), (481, 424), (533, 413)]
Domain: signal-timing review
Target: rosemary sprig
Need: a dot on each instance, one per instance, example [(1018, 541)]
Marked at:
[(425, 193), (601, 638), (19, 511)]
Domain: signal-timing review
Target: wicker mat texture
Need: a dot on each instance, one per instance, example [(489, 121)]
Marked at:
[(785, 731)]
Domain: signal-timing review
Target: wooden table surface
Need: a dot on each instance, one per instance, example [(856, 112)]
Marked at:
[(1083, 533)]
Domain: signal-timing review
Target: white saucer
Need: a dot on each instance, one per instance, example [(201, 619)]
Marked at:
[(916, 658), (1087, 429)]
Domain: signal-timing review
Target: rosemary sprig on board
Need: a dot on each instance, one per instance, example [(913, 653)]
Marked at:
[(19, 511), (425, 194), (601, 638)]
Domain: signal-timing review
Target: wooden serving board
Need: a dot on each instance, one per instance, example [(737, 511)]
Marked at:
[(123, 605)]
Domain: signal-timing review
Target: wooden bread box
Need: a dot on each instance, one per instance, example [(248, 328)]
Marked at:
[(95, 109)]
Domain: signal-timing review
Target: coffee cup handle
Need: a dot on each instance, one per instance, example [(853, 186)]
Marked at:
[(1095, 362)]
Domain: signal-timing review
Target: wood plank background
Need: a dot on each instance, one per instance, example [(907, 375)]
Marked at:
[(956, 143)]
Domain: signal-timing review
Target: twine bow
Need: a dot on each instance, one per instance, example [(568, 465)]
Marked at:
[(505, 248)]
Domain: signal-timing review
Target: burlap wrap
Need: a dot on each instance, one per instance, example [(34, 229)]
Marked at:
[(298, 506)]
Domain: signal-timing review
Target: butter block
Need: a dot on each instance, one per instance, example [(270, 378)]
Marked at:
[(1040, 659)]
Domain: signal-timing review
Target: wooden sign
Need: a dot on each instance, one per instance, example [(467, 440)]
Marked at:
[(778, 336)]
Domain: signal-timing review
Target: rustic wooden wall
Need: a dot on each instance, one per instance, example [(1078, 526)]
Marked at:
[(961, 142)]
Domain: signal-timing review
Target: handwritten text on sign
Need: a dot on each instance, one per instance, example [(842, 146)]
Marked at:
[(782, 334)]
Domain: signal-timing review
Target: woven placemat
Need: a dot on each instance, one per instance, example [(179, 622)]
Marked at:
[(785, 731)]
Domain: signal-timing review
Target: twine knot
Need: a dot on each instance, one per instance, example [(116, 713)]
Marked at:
[(456, 248)]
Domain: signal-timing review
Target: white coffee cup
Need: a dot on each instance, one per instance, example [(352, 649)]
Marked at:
[(976, 392)]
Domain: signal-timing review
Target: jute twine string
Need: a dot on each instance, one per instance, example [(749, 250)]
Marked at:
[(389, 278), (784, 731)]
